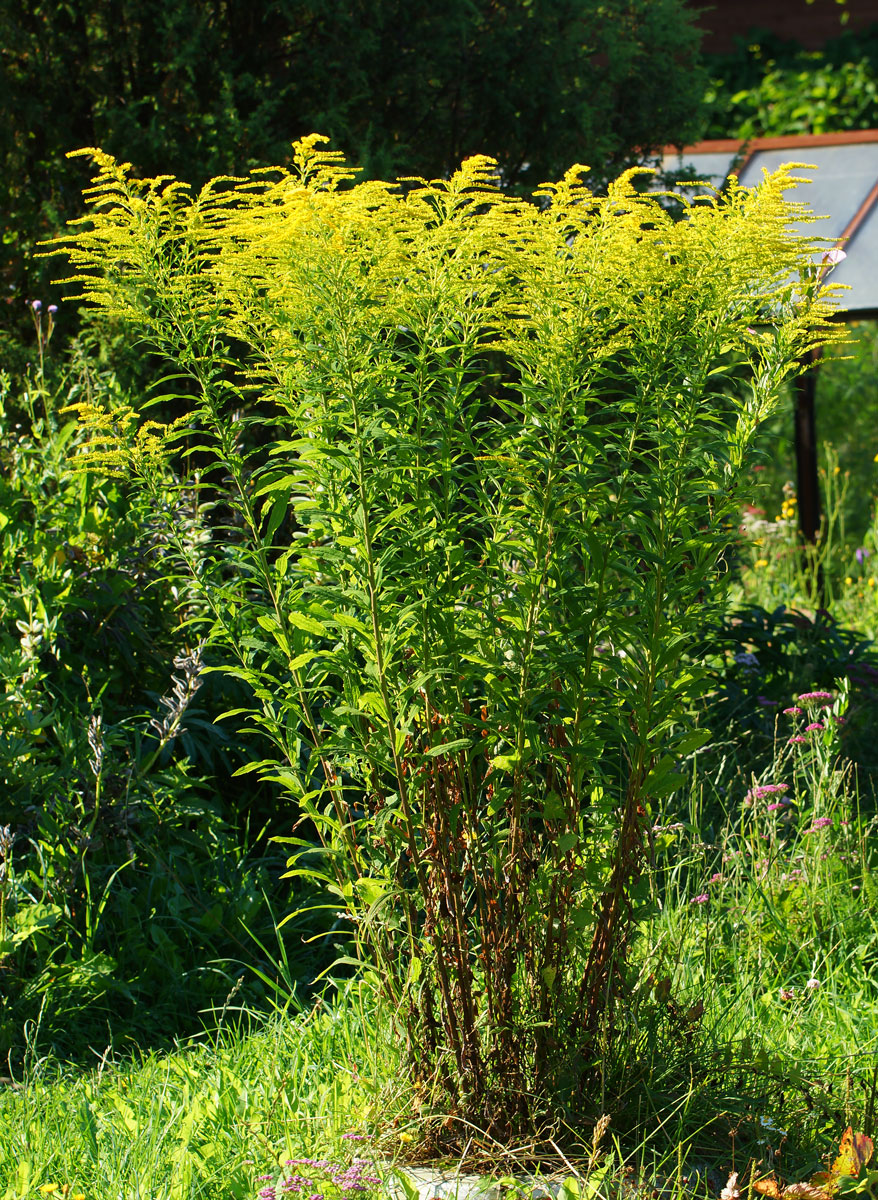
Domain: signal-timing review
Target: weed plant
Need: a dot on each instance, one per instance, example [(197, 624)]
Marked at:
[(480, 527)]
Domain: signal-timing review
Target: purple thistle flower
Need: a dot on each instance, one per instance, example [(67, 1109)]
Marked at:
[(861, 554), (36, 305), (53, 308), (764, 702)]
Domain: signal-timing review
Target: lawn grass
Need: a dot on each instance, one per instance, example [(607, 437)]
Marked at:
[(204, 1121)]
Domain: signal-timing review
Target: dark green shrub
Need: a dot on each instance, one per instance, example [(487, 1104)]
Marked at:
[(132, 862)]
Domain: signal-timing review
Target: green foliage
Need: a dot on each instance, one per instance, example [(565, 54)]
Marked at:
[(404, 88), (759, 658), (479, 465), (756, 1011), (765, 879), (125, 865), (846, 419), (770, 87)]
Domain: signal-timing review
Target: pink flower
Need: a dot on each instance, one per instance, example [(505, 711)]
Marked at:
[(814, 726), (797, 740), (795, 711), (702, 899), (787, 993), (819, 823), (717, 878), (763, 790), (813, 984), (816, 697)]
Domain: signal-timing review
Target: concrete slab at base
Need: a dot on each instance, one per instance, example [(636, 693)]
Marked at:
[(432, 1184)]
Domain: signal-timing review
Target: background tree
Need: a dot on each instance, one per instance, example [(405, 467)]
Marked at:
[(773, 87), (202, 88)]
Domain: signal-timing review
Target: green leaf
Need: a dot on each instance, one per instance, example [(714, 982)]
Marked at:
[(554, 808), (303, 621), (693, 740), (278, 512), (348, 622), (505, 762), (448, 747), (371, 890)]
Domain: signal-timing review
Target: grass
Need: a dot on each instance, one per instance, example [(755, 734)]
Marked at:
[(204, 1121)]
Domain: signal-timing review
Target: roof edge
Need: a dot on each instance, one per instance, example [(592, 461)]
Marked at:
[(736, 146)]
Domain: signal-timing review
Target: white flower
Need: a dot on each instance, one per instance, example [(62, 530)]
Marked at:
[(731, 1191)]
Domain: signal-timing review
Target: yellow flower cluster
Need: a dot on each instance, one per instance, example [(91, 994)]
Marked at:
[(119, 442), (788, 509)]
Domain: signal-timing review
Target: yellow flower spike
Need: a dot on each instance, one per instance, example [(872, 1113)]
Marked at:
[(760, 562), (48, 1188)]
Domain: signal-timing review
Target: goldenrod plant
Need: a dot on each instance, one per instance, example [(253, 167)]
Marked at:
[(474, 465)]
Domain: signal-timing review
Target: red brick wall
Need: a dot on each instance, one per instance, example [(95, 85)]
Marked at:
[(811, 24)]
